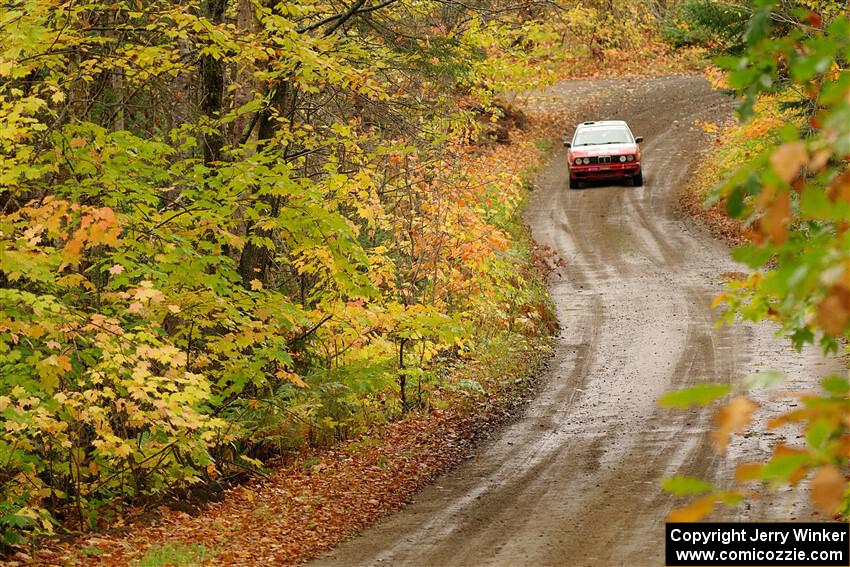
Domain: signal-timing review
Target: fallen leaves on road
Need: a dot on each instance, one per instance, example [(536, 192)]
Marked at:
[(654, 58)]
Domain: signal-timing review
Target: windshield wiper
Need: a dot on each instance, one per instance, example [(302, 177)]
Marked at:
[(599, 144)]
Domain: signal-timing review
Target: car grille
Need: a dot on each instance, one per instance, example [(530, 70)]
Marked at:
[(605, 159)]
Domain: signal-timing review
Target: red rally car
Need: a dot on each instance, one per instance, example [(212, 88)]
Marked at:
[(604, 149)]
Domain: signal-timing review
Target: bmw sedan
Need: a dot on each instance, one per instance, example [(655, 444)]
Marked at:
[(604, 150)]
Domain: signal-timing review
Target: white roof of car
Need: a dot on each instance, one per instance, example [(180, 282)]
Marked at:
[(603, 123)]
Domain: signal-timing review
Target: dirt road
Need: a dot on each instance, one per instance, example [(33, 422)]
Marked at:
[(576, 480)]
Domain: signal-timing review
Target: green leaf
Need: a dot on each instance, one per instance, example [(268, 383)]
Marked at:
[(759, 26), (752, 256), (836, 384), (819, 433), (701, 394), (730, 498), (815, 204), (780, 468), (683, 485), (800, 337), (735, 203), (766, 379)]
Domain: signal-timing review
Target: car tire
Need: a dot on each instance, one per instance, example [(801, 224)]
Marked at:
[(637, 180), (574, 183)]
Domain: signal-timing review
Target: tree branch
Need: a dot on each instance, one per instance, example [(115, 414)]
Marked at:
[(340, 19)]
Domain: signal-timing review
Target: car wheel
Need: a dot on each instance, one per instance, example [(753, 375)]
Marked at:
[(574, 183), (637, 180)]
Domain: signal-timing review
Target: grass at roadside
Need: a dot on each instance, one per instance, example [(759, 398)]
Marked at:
[(174, 556)]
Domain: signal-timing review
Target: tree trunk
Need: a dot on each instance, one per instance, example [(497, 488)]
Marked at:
[(212, 78), (255, 259), (117, 80), (402, 378), (246, 20)]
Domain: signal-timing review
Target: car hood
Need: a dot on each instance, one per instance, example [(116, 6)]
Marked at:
[(604, 150)]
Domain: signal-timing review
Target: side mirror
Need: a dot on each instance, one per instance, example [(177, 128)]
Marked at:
[(567, 144), (638, 139)]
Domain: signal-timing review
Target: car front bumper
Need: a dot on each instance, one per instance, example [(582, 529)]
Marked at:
[(604, 171)]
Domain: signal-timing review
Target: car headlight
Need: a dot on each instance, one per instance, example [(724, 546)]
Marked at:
[(622, 159), (630, 157), (586, 161), (578, 161)]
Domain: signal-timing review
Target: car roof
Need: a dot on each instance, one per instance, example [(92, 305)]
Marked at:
[(596, 123)]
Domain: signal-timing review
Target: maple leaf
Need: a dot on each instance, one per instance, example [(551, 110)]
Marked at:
[(116, 269), (839, 188), (833, 312), (292, 377), (828, 488), (748, 472), (775, 221), (732, 418), (819, 159), (122, 450), (693, 512), (788, 159)]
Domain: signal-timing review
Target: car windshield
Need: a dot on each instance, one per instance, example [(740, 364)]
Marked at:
[(603, 135)]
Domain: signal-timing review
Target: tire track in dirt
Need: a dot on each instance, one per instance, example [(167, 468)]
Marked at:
[(575, 481)]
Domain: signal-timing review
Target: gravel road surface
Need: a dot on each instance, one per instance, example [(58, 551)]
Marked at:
[(575, 480)]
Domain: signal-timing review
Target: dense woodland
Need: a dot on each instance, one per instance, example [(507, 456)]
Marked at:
[(232, 228)]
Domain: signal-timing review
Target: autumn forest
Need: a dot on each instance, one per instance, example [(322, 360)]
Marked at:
[(236, 235)]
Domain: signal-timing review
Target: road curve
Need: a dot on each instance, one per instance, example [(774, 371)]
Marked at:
[(575, 481)]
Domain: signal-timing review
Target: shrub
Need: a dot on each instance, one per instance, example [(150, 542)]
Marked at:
[(707, 23)]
